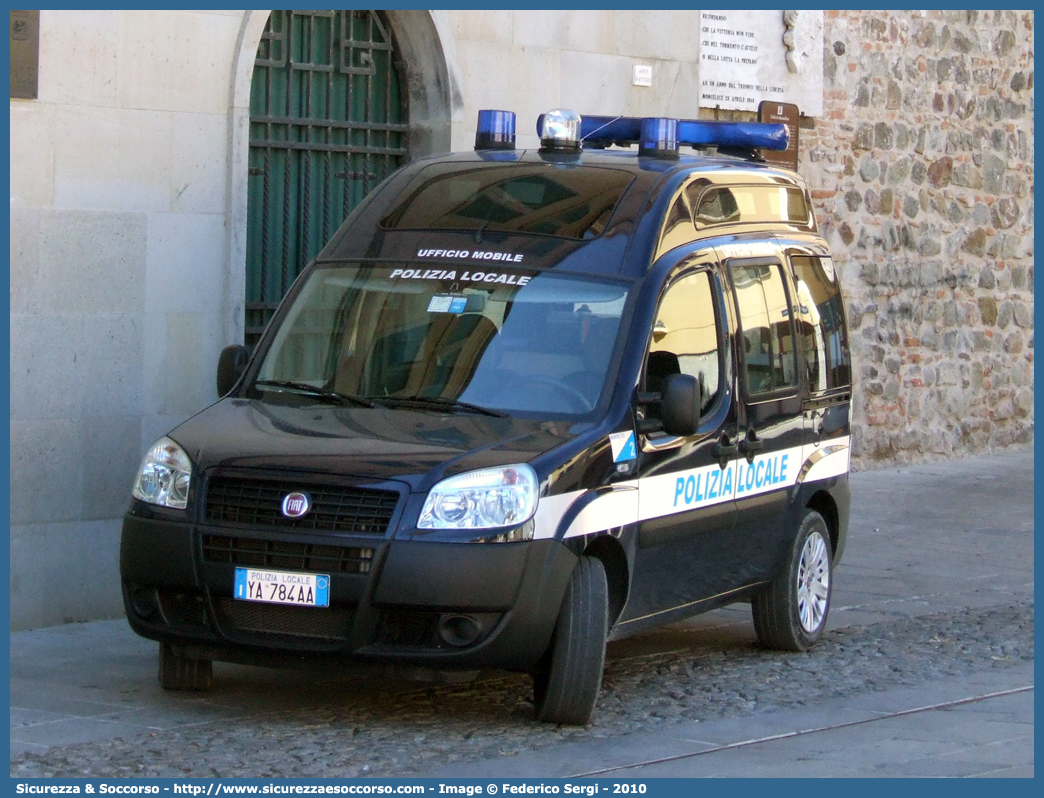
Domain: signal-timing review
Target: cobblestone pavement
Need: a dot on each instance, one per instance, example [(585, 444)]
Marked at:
[(398, 733), (937, 585)]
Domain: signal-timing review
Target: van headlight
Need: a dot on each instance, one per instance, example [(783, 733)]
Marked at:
[(493, 497), (164, 475)]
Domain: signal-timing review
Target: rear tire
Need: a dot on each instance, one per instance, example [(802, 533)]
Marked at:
[(177, 672), (568, 679), (791, 614)]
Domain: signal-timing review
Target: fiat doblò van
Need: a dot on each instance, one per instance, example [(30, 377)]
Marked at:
[(524, 402)]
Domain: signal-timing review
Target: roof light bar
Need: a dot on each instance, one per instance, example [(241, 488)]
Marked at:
[(627, 130), (496, 130), (753, 135)]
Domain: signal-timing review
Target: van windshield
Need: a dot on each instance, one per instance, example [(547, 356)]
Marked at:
[(508, 341)]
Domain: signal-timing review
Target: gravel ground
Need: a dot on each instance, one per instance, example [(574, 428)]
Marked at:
[(400, 733)]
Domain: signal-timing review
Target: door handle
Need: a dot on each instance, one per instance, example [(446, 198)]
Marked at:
[(724, 450), (751, 445)]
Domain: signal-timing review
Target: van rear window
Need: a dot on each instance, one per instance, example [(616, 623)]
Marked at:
[(747, 204), (546, 199)]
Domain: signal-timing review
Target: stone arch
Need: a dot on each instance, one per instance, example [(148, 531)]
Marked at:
[(435, 102), (432, 78)]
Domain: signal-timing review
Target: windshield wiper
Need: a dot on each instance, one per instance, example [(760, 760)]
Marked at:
[(320, 393), (442, 404)]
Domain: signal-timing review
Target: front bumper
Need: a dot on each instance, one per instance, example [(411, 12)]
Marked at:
[(438, 605)]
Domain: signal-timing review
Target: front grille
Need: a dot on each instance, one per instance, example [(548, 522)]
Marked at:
[(335, 508), (327, 623), (282, 555)]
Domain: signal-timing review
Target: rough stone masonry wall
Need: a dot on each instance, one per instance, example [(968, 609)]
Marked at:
[(922, 171)]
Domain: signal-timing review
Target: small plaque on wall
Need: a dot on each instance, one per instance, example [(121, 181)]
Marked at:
[(25, 54), (781, 114)]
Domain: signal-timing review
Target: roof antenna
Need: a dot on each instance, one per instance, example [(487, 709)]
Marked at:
[(600, 127)]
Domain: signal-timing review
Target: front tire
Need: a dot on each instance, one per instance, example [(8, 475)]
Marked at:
[(177, 672), (791, 614), (568, 679)]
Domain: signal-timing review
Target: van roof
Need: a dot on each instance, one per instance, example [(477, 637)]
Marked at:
[(577, 211)]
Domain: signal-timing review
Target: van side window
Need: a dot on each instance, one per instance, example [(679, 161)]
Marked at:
[(685, 337), (821, 322), (751, 205), (769, 356), (718, 206)]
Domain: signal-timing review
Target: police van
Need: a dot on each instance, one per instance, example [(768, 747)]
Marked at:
[(524, 402)]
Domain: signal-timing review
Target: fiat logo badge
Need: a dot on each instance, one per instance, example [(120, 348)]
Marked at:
[(296, 505)]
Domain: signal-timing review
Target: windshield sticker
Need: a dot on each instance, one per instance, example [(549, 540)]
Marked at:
[(466, 276), (442, 303), (464, 254)]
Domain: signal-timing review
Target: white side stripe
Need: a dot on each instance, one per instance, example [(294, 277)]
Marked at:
[(829, 459), (680, 491), (550, 511), (608, 511)]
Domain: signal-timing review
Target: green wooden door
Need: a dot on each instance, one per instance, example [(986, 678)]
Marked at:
[(327, 123)]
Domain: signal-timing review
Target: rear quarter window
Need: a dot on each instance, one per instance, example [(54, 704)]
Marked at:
[(821, 323), (752, 205)]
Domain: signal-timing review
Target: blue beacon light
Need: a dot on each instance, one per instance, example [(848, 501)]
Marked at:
[(496, 130), (659, 138)]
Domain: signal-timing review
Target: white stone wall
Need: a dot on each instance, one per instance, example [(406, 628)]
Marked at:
[(119, 281), (530, 62)]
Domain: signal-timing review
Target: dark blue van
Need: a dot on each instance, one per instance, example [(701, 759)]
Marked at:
[(524, 402)]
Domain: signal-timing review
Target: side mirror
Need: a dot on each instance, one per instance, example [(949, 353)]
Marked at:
[(681, 404), (231, 365)]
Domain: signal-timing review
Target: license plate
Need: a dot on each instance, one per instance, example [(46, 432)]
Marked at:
[(282, 587)]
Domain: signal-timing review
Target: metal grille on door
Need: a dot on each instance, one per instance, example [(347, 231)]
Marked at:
[(328, 122)]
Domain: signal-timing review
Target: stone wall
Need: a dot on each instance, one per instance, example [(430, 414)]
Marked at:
[(922, 171)]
